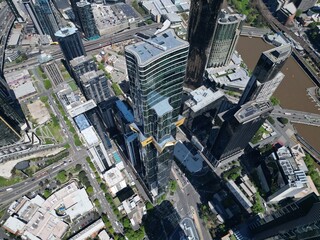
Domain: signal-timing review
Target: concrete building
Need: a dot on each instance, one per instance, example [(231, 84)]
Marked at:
[(95, 86), (266, 76), (225, 38), (87, 22), (51, 69), (80, 65), (70, 43), (237, 127), (156, 70), (114, 180), (203, 17)]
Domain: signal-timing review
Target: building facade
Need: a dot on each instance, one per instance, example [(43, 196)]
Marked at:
[(15, 10), (225, 38), (10, 123), (237, 127), (47, 17), (81, 65), (70, 43), (34, 16), (266, 76), (95, 86), (87, 22), (203, 18), (156, 69), (298, 220)]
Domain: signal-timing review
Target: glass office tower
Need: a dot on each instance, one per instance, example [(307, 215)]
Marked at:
[(225, 38), (156, 69), (46, 16), (87, 22)]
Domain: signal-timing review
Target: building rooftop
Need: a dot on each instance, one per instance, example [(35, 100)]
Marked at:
[(252, 110), (154, 47), (90, 136), (79, 60), (279, 53), (226, 18), (202, 97), (81, 122), (125, 112), (114, 177), (82, 108), (67, 31), (89, 231), (91, 75), (83, 3), (194, 163)]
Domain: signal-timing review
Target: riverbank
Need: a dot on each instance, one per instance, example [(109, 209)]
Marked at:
[(292, 92)]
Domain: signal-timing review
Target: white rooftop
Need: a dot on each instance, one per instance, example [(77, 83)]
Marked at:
[(14, 225), (90, 136), (202, 97)]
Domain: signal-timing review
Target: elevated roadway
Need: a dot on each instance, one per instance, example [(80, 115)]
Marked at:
[(254, 32), (297, 116)]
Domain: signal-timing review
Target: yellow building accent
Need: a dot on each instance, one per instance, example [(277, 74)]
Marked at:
[(180, 122), (146, 141)]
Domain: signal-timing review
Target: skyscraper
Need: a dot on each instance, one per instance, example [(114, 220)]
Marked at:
[(34, 17), (87, 22), (297, 220), (203, 18), (15, 10), (156, 69), (75, 11), (70, 43), (266, 76), (304, 5), (10, 123), (237, 127), (95, 86), (47, 17), (225, 38)]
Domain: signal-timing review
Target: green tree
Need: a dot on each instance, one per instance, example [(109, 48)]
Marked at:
[(62, 176), (283, 120), (275, 101), (78, 167), (90, 190)]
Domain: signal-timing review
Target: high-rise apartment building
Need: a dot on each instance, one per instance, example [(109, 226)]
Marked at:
[(47, 17), (225, 38), (237, 127), (297, 220), (156, 69), (34, 17), (81, 65), (95, 86), (266, 76), (203, 18), (70, 43), (87, 22)]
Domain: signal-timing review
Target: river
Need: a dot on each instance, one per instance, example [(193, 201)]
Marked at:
[(292, 90)]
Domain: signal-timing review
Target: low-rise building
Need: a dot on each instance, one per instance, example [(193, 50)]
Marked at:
[(38, 218), (114, 180), (91, 231)]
